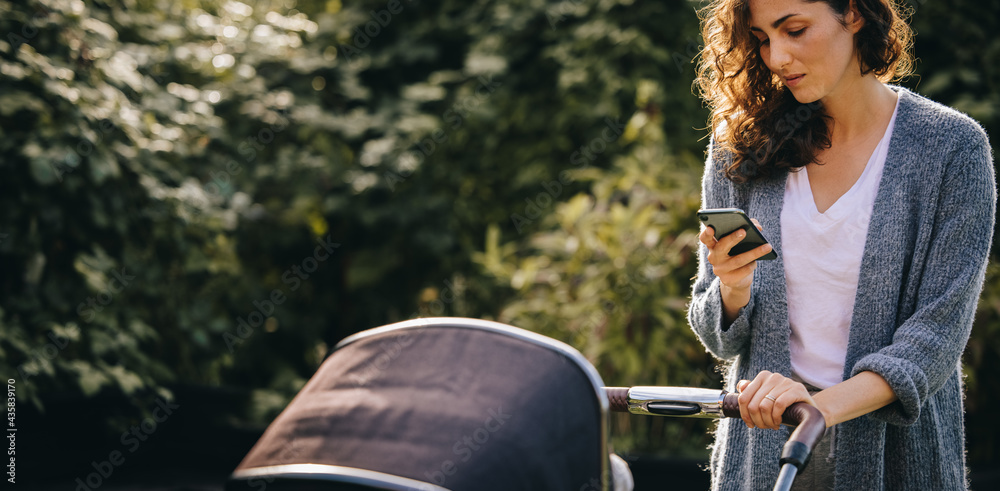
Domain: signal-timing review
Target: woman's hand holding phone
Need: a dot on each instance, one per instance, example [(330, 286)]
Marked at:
[(734, 272)]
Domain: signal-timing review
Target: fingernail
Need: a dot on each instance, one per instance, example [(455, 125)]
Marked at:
[(767, 247)]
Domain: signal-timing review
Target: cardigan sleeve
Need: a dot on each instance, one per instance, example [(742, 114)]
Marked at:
[(705, 310), (926, 348)]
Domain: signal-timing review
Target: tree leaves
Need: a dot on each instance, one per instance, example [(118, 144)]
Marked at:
[(531, 161)]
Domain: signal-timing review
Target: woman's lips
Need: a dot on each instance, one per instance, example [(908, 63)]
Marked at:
[(793, 80)]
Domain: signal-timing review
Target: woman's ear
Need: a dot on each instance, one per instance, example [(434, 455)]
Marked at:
[(853, 19)]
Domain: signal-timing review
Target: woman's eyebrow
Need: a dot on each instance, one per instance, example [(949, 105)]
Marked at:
[(776, 23)]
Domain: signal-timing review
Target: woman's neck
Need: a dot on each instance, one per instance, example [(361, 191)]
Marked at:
[(856, 108)]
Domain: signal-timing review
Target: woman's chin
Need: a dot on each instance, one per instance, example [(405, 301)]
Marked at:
[(804, 96)]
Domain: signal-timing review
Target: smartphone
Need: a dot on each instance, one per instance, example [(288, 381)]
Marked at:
[(728, 220)]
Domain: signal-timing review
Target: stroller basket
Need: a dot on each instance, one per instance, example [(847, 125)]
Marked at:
[(440, 403)]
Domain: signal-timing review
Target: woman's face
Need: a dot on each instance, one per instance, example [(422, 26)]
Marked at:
[(806, 45)]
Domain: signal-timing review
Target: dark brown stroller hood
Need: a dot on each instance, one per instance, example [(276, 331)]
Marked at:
[(440, 403)]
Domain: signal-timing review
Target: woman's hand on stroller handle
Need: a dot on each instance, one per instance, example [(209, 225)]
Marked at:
[(764, 399), (712, 403)]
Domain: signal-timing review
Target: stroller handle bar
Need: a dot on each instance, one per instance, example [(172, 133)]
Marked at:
[(714, 403)]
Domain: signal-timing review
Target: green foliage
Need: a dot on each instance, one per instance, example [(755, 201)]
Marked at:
[(959, 65), (202, 150), (609, 274), (215, 192), (140, 141)]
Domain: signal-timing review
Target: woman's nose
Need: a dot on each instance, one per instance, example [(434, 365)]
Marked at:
[(780, 56)]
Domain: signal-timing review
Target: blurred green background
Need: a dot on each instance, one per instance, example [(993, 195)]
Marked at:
[(168, 167)]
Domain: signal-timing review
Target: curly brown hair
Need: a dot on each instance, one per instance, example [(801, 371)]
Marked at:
[(754, 116)]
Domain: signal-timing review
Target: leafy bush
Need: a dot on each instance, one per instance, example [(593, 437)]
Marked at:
[(216, 192), (610, 275)]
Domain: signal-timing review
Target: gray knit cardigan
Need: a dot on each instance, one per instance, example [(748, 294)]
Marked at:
[(922, 272)]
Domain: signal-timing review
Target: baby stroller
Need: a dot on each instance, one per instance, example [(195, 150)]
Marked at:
[(460, 404)]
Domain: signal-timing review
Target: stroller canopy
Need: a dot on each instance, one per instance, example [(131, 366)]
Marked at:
[(440, 403)]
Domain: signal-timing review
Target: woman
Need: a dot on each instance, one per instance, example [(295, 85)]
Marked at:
[(880, 204)]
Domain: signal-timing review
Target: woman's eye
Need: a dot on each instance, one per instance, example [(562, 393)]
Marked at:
[(796, 34)]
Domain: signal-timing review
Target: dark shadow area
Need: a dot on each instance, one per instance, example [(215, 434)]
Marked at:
[(190, 451)]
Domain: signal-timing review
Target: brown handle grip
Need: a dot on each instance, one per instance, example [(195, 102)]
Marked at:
[(617, 399), (796, 414), (811, 428), (808, 420), (731, 405)]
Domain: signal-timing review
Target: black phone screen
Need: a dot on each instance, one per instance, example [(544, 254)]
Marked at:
[(728, 220)]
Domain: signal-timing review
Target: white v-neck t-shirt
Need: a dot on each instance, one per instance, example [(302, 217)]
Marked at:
[(822, 260)]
